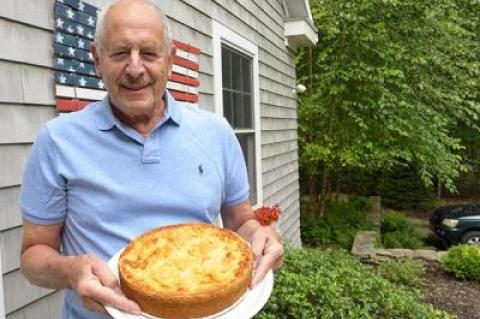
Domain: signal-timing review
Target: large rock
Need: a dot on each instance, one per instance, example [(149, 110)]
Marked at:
[(364, 243), (374, 215), (364, 247)]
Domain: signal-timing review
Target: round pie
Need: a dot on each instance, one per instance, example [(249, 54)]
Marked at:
[(185, 271)]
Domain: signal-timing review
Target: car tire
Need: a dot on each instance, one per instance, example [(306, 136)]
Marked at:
[(471, 238)]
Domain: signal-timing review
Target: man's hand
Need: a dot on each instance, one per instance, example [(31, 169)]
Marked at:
[(96, 285), (267, 251), (89, 276), (265, 242)]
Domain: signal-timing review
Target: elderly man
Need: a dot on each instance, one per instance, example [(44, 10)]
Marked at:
[(136, 160)]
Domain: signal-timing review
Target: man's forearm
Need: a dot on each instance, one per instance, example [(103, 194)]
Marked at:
[(44, 266), (247, 228)]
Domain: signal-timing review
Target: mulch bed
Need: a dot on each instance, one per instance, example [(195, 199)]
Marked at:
[(443, 291)]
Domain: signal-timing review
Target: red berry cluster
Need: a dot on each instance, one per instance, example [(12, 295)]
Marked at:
[(267, 215)]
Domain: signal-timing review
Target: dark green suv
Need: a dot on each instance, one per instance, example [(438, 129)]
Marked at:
[(458, 224)]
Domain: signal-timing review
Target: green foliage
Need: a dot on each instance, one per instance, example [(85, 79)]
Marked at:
[(463, 261), (390, 80), (405, 272), (339, 225), (402, 188), (332, 284), (399, 232)]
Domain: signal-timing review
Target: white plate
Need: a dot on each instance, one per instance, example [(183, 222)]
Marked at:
[(248, 305)]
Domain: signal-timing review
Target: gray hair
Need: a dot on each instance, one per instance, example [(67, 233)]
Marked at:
[(100, 28)]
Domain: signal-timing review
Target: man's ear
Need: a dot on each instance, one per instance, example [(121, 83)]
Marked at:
[(172, 52), (96, 58)]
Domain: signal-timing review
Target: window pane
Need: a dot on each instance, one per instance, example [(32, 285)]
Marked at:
[(226, 72), (238, 118), (246, 75), (247, 142), (247, 111), (236, 75), (228, 106)]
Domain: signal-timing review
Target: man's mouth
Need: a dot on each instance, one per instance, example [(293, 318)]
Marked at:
[(135, 87)]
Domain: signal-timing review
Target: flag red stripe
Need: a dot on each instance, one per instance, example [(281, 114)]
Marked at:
[(174, 77), (185, 63), (186, 47), (73, 105), (180, 96)]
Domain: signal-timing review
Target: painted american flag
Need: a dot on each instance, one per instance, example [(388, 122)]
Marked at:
[(76, 84)]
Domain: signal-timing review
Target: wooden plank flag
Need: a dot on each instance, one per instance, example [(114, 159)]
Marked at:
[(76, 84)]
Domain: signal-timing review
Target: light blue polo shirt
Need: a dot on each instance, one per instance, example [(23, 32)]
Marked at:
[(108, 184)]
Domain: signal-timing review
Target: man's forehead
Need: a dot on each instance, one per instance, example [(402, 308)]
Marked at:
[(133, 12), (125, 43)]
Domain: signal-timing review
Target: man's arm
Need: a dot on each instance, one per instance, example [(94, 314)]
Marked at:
[(43, 265), (266, 243)]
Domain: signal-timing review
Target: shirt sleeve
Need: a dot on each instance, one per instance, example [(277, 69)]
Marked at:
[(43, 195), (236, 177)]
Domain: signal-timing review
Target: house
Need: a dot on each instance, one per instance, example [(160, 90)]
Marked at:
[(255, 37)]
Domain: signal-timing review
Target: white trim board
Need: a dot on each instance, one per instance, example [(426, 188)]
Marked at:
[(222, 34)]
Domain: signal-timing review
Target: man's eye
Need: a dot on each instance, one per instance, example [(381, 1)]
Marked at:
[(120, 54), (150, 54)]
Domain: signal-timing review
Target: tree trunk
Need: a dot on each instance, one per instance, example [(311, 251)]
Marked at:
[(312, 193), (323, 193), (439, 189)]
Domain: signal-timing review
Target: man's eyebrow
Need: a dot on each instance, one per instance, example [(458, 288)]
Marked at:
[(118, 46), (151, 45)]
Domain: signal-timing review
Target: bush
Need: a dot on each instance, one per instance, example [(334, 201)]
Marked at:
[(405, 272), (332, 284), (399, 232), (463, 261), (338, 226)]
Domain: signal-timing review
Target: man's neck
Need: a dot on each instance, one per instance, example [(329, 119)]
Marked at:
[(143, 124)]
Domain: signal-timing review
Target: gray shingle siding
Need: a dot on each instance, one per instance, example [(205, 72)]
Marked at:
[(27, 101)]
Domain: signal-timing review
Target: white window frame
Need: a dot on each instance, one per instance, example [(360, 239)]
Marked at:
[(224, 35)]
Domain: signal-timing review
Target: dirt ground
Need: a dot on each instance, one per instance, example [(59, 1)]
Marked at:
[(442, 289), (445, 292)]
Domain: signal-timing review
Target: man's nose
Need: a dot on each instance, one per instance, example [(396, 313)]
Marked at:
[(135, 67)]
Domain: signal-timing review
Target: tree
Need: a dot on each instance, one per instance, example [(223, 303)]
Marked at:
[(389, 81)]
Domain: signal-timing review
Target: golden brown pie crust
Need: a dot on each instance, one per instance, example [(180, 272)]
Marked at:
[(185, 271)]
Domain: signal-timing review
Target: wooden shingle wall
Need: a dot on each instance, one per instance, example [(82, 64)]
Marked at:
[(261, 22), (27, 102)]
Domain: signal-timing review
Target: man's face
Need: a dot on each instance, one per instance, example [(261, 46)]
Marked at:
[(133, 60)]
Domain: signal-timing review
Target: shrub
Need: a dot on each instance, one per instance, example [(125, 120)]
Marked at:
[(463, 261), (405, 272), (332, 284), (338, 226), (398, 232)]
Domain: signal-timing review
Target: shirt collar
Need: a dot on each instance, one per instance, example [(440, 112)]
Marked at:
[(106, 120)]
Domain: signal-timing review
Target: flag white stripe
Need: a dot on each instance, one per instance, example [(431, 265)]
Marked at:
[(182, 87), (186, 55), (90, 94), (65, 91), (181, 70)]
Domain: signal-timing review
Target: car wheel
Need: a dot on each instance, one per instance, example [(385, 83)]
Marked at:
[(471, 238)]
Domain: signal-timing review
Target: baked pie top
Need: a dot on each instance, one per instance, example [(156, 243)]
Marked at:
[(186, 259)]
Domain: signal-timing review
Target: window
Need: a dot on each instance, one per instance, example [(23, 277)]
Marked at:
[(238, 106), (236, 98)]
